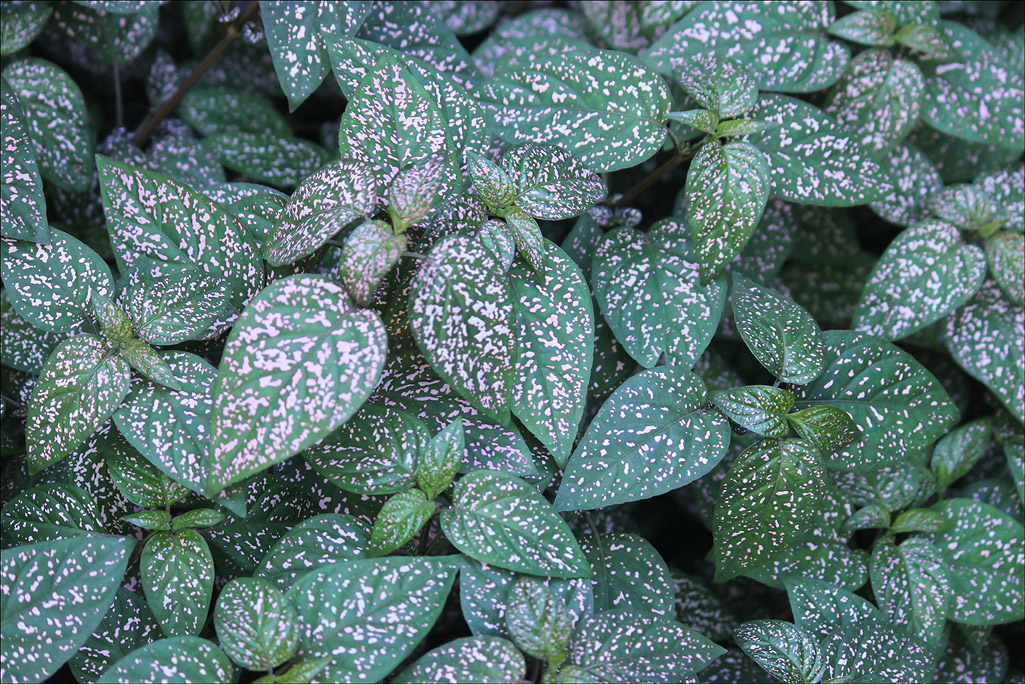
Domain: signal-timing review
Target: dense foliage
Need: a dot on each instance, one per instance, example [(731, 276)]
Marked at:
[(507, 341)]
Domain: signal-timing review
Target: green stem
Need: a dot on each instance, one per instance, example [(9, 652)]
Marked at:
[(425, 535), (649, 180), (142, 136), (17, 404)]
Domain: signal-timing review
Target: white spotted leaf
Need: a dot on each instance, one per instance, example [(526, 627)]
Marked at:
[(128, 625), (1005, 254), (146, 361), (340, 606), (24, 346), (22, 23), (499, 519), (987, 339), (462, 312), (175, 660), (620, 646), (255, 625), (178, 578), (48, 513), (828, 428), (783, 650), (813, 160), (760, 408), (174, 306), (399, 520), (629, 573), (371, 251), (926, 273), (820, 607), (647, 286), (650, 437), (606, 108), (481, 659), (52, 286), (211, 111), (440, 460), (281, 161), (57, 121), (299, 362), (910, 581), (915, 179), (312, 544), (151, 215), (782, 44), (959, 451), (149, 520), (771, 495), (899, 406), (22, 206), (555, 343), (538, 620), (875, 650), (866, 27), (722, 86), (727, 188), (413, 192), (784, 337), (328, 200), (550, 183), (79, 388), (138, 479), (984, 550), (374, 452), (55, 596), (298, 34)]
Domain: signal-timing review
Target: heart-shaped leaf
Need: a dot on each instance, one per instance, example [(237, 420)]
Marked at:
[(172, 307), (783, 650), (178, 577), (399, 520), (720, 85), (483, 659), (314, 543), (820, 608), (255, 625), (628, 573), (549, 183), (827, 427), (759, 408), (303, 353), (140, 481), (22, 205), (651, 436), (538, 621), (910, 582), (177, 660)]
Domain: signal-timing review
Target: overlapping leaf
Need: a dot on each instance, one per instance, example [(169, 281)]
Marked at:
[(910, 582), (48, 513), (128, 624), (255, 625), (22, 206), (483, 659), (314, 543), (784, 650), (178, 577), (629, 574), (176, 660)]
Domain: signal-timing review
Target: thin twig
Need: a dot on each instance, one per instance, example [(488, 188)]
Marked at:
[(142, 136), (17, 404), (649, 180)]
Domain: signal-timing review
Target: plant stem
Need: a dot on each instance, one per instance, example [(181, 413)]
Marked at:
[(649, 180), (142, 136), (119, 110), (425, 535), (17, 404)]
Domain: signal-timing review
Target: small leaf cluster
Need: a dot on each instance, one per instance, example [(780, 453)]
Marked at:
[(456, 341)]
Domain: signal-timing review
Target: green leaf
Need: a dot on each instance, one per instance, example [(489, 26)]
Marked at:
[(760, 408), (619, 646), (48, 513), (647, 286), (606, 108), (255, 625), (784, 337), (176, 660), (495, 187), (701, 119), (550, 183), (878, 99), (144, 359), (399, 520), (803, 60), (298, 34), (115, 37), (979, 97), (820, 608), (114, 324), (875, 650), (392, 122), (910, 582), (281, 161), (554, 348), (257, 206), (395, 599), (720, 85), (987, 339), (52, 286), (140, 481), (23, 346), (174, 306), (374, 452), (22, 205), (314, 543), (960, 450), (872, 516), (926, 273), (783, 650), (527, 236), (337, 194), (462, 312), (481, 659), (178, 577), (127, 625), (413, 192), (828, 428), (651, 436), (812, 160), (79, 388), (865, 27), (150, 520), (769, 497), (371, 251), (699, 608), (20, 23), (211, 111), (440, 459), (985, 551), (308, 358), (821, 553), (57, 121), (929, 41), (1005, 253), (915, 179), (628, 573), (538, 621), (900, 407), (740, 127), (727, 187), (150, 215), (198, 517), (56, 593), (918, 520), (497, 518)]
